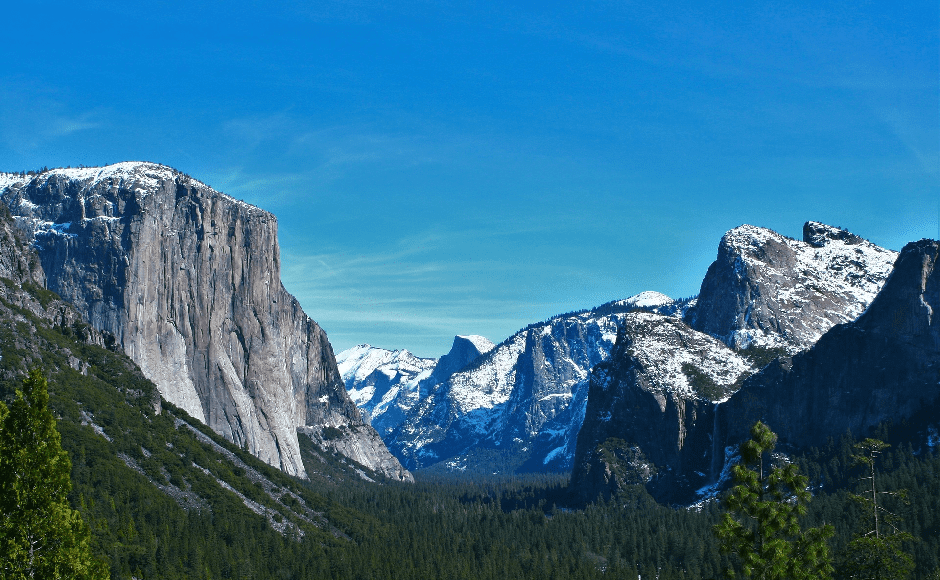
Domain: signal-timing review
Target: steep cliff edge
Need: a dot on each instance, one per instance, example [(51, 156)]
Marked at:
[(651, 409), (187, 280), (883, 366), (649, 416), (767, 290)]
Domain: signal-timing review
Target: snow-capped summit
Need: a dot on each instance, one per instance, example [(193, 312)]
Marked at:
[(386, 384), (649, 299), (768, 290), (383, 383), (481, 343)]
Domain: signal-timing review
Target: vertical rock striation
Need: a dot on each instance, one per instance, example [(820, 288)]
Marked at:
[(187, 280)]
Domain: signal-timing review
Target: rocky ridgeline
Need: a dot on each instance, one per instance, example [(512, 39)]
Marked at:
[(523, 398), (387, 384), (187, 280), (767, 290), (767, 298)]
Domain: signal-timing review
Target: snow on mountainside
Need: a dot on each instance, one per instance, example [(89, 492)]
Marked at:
[(528, 397), (651, 402), (383, 383), (505, 398), (771, 291), (386, 384), (673, 356)]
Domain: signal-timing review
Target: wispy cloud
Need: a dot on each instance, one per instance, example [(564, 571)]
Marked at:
[(920, 141), (29, 120)]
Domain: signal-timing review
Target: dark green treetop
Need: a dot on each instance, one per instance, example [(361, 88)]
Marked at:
[(876, 552), (764, 532), (41, 536)]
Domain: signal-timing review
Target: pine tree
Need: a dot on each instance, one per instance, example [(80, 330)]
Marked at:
[(41, 536), (876, 553), (768, 501)]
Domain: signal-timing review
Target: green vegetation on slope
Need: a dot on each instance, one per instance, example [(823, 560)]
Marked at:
[(164, 497)]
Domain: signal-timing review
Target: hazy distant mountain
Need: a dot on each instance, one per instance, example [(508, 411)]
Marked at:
[(386, 384)]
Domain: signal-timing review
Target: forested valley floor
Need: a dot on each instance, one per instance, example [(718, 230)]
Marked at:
[(165, 497)]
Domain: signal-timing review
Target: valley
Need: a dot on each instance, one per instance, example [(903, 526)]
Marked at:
[(213, 432)]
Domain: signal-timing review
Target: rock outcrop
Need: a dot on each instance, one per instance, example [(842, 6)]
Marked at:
[(649, 409), (883, 366), (187, 280), (770, 291)]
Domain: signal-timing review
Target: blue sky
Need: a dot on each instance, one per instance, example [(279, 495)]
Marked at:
[(442, 168)]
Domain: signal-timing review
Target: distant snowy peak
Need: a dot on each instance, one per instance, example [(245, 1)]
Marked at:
[(648, 299), (768, 290), (369, 372), (387, 384), (362, 360), (481, 343)]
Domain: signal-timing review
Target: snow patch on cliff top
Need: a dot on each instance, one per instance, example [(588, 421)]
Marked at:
[(667, 348), (838, 267), (482, 344), (142, 177)]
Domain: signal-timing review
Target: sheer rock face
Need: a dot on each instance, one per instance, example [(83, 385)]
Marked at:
[(188, 281), (768, 290), (885, 365), (673, 396), (649, 413)]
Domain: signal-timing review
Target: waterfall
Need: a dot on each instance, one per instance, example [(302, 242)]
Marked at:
[(717, 458)]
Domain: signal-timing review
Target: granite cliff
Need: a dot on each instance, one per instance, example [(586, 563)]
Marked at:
[(187, 282), (771, 291), (651, 407), (883, 366)]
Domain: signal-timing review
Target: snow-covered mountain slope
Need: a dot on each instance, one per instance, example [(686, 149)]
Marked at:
[(771, 291), (507, 397), (386, 384), (383, 383), (651, 408)]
